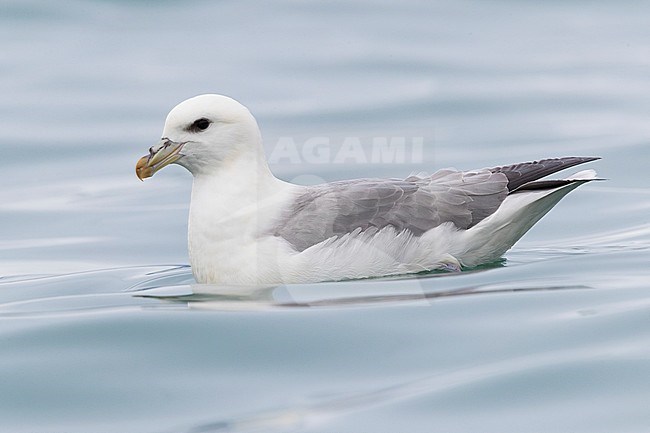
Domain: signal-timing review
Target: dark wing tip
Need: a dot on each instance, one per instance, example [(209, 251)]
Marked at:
[(522, 173)]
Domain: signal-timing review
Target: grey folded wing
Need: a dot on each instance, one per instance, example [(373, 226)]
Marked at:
[(416, 204)]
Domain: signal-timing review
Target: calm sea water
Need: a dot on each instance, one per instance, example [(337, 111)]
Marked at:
[(102, 328)]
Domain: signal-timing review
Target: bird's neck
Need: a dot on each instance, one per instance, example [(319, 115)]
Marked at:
[(230, 210), (233, 186)]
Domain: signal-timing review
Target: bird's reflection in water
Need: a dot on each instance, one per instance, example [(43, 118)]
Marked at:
[(379, 292)]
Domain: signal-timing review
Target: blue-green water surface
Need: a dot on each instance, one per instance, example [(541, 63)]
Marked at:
[(102, 328)]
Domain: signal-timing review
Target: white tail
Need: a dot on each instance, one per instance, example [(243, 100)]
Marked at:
[(492, 237)]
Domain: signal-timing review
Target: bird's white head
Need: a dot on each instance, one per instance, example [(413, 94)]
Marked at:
[(202, 134)]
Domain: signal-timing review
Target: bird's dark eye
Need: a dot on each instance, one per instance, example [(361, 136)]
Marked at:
[(199, 125)]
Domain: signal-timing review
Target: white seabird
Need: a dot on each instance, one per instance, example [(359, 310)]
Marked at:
[(248, 227)]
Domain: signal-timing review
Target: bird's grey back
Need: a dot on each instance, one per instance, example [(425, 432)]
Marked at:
[(416, 204)]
